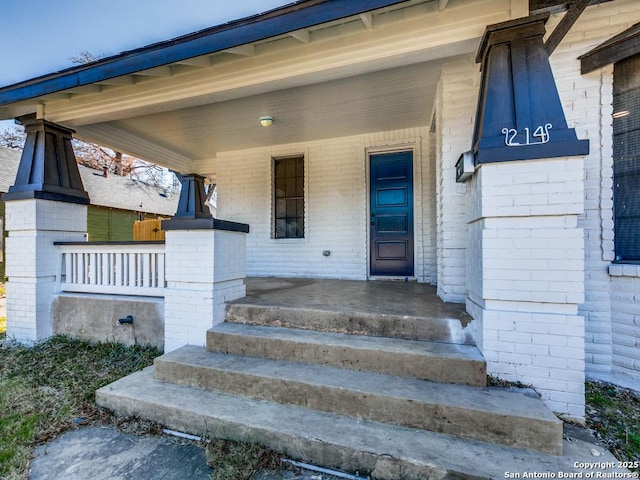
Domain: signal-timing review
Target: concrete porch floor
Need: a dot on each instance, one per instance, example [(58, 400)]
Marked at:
[(396, 298)]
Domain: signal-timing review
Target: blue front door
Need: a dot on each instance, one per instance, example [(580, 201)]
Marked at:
[(391, 208)]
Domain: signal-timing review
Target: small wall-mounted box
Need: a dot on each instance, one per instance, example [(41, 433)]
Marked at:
[(465, 167)]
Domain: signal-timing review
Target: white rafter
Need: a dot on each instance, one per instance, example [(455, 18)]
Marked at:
[(302, 36), (123, 80), (203, 62), (94, 88), (163, 71), (248, 50), (367, 19)]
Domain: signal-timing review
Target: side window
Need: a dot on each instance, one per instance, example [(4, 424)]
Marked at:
[(288, 209), (626, 158)]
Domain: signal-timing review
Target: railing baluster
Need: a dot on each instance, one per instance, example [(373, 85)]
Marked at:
[(86, 265), (118, 269), (132, 270), (103, 269), (146, 270), (122, 269), (153, 261), (161, 278)]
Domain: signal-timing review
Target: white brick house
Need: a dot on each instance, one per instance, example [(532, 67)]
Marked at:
[(528, 245)]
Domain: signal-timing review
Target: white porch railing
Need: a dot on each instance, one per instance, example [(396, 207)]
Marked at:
[(118, 268)]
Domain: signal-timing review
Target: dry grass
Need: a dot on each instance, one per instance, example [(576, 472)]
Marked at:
[(613, 413), (239, 461), (49, 388)]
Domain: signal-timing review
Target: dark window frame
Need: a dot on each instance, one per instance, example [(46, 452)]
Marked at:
[(618, 50), (289, 203), (626, 159)]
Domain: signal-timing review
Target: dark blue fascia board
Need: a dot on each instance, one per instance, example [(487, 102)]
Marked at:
[(293, 17)]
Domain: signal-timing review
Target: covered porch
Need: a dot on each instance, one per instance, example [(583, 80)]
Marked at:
[(300, 116), (397, 309)]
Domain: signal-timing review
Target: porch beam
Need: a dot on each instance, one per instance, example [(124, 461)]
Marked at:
[(303, 36), (134, 145), (561, 30)]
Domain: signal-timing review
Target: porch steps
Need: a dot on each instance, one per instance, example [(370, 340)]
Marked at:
[(495, 415), (393, 406), (387, 452), (439, 362), (439, 323)]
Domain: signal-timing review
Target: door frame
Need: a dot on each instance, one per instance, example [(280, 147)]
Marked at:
[(408, 145)]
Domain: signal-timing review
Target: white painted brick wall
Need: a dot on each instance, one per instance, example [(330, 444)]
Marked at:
[(587, 101), (336, 205), (32, 261), (625, 302), (46, 215), (456, 100), (526, 272), (204, 270)]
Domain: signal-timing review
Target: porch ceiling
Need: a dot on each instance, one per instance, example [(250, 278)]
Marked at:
[(370, 72), (378, 101)]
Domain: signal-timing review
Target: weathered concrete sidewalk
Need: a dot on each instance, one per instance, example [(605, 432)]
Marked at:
[(99, 453)]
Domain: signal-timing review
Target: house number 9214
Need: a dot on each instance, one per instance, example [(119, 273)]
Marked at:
[(540, 135)]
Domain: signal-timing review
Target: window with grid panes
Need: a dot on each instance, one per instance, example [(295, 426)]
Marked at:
[(288, 197), (626, 158)]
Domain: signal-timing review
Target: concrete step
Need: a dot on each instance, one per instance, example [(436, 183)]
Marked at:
[(434, 326), (509, 417), (334, 441), (438, 362)]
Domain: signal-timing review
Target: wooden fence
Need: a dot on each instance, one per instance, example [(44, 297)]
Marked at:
[(148, 230)]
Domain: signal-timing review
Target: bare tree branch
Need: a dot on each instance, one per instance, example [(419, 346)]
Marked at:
[(13, 138)]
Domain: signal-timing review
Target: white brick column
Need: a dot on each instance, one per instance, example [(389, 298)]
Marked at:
[(205, 265), (456, 99), (204, 270), (526, 275), (32, 261)]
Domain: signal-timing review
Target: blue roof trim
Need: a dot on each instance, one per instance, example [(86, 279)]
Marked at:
[(287, 19)]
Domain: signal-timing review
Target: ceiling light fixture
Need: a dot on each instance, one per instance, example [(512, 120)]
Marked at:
[(266, 121)]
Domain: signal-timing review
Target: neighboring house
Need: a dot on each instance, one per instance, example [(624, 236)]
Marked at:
[(337, 129), (116, 202)]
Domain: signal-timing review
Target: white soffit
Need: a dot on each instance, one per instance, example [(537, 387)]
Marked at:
[(384, 100)]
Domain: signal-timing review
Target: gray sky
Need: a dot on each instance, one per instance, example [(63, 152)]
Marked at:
[(39, 36)]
